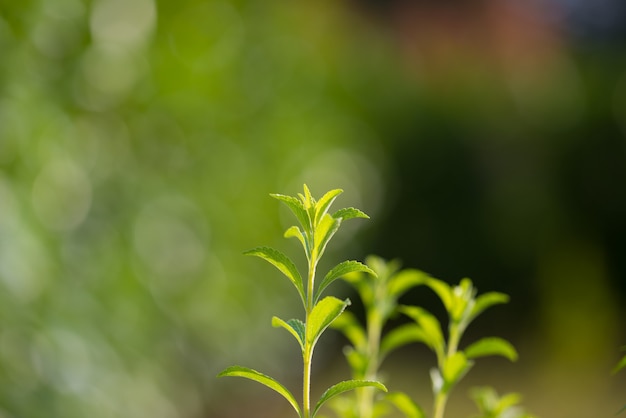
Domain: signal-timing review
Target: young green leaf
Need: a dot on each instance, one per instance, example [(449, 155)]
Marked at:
[(400, 336), (297, 208), (282, 263), (322, 205), (263, 379), (429, 325), (323, 233), (294, 326), (295, 232), (491, 346), (443, 290), (349, 213), (325, 312), (351, 328), (346, 386), (405, 405), (486, 300), (340, 270), (405, 280), (454, 368)]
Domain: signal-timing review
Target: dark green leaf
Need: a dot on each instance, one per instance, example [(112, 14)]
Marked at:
[(263, 379)]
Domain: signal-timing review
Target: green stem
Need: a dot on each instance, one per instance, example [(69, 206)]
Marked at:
[(366, 395), (441, 397), (307, 354)]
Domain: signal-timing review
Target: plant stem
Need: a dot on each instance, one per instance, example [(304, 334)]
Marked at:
[(307, 354), (441, 397), (366, 395)]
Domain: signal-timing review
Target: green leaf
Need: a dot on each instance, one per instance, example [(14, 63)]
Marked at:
[(486, 300), (433, 336), (400, 336), (340, 270), (351, 328), (491, 346), (323, 233), (443, 290), (404, 280), (349, 213), (405, 404), (263, 379), (282, 263), (294, 326), (358, 362), (321, 207), (297, 208), (322, 314), (347, 385), (295, 232), (454, 368)]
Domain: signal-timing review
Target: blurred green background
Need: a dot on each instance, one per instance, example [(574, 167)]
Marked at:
[(139, 141)]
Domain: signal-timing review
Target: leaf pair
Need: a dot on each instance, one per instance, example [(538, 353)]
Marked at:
[(271, 383)]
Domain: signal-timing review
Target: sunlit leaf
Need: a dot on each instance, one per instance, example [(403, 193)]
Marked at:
[(349, 213), (486, 300), (454, 368), (282, 263), (346, 386), (340, 270), (322, 314), (295, 232), (429, 324), (322, 205), (323, 233), (405, 280), (263, 379), (405, 404), (491, 346), (294, 326), (297, 208), (443, 290)]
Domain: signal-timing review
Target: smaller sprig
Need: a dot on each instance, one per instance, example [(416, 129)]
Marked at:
[(462, 307), (316, 229), (379, 294), (491, 405)]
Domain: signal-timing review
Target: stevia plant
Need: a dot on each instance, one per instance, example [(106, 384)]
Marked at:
[(491, 405), (462, 307), (316, 229), (379, 294)]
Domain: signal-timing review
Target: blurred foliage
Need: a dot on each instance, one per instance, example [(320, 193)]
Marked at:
[(138, 143)]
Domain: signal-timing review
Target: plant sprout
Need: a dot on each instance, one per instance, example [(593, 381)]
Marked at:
[(316, 229)]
